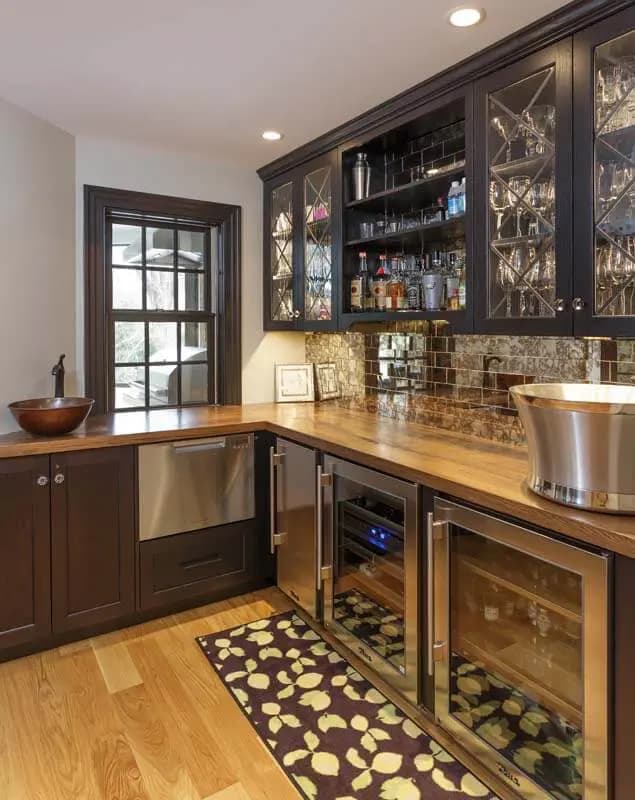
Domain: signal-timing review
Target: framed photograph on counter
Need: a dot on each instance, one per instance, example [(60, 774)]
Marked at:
[(326, 379), (294, 383)]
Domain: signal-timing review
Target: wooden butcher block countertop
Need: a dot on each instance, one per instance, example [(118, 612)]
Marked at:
[(478, 471)]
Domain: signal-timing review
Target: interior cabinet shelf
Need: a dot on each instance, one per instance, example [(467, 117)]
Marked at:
[(531, 166), (409, 195), (445, 230), (513, 586)]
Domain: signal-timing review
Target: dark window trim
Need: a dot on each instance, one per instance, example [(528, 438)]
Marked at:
[(98, 201)]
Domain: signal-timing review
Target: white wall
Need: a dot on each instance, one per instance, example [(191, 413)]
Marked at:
[(37, 267), (125, 166)]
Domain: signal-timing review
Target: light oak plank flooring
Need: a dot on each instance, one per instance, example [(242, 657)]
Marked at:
[(136, 714)]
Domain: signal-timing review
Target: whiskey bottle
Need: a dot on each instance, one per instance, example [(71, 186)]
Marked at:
[(360, 289), (379, 285)]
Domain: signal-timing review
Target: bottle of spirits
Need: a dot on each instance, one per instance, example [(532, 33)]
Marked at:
[(360, 285), (396, 287), (413, 284), (379, 285)]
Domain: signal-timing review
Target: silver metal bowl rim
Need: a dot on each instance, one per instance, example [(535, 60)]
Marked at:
[(592, 398)]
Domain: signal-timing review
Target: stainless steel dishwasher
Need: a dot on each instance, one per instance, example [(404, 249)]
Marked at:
[(188, 485)]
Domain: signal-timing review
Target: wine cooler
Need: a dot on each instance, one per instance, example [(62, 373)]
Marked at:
[(370, 568), (521, 646)]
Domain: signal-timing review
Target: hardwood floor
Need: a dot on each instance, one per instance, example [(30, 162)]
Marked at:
[(135, 715)]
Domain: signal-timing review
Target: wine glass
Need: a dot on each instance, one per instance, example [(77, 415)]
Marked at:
[(504, 127), (499, 202), (518, 186), (540, 124), (541, 196), (506, 280)]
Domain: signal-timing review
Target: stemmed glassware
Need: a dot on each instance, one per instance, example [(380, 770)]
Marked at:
[(504, 127), (506, 280), (540, 124), (518, 186), (541, 197), (499, 202)]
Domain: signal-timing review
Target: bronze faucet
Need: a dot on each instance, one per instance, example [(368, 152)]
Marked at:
[(58, 371)]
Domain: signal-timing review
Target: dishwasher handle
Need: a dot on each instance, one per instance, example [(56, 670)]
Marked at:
[(182, 448)]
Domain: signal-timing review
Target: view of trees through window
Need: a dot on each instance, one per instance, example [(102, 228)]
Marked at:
[(161, 312)]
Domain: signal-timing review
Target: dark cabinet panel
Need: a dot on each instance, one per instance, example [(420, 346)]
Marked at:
[(604, 178), (523, 195), (302, 247), (210, 564), (93, 541), (25, 551)]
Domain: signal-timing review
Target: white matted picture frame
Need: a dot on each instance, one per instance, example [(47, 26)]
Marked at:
[(294, 383), (327, 384)]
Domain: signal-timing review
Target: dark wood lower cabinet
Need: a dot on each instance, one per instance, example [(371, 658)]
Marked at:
[(93, 537), (25, 551), (210, 564)]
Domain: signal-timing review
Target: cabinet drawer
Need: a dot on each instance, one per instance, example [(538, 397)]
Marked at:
[(213, 563)]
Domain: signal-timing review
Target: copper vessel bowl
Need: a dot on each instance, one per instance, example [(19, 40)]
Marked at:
[(51, 416)]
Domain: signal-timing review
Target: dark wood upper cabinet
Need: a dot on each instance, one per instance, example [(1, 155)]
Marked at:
[(302, 247), (523, 195), (93, 537), (604, 177), (550, 168), (25, 551)]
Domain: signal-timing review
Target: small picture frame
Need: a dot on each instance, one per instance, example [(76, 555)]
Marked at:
[(294, 383), (326, 379)]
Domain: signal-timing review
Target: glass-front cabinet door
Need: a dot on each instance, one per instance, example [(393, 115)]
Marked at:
[(604, 60), (301, 247), (280, 235), (524, 132), (521, 624), (317, 254)]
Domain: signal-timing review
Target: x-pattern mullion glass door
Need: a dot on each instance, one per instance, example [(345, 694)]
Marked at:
[(614, 202), (160, 312), (524, 121), (318, 244)]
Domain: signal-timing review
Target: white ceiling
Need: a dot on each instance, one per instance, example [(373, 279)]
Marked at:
[(207, 76)]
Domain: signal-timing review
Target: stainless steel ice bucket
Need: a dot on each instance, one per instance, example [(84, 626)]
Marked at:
[(581, 440)]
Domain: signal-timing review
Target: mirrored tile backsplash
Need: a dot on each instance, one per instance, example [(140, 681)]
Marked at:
[(461, 382)]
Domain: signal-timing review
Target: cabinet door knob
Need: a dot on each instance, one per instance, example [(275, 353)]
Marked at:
[(560, 304), (578, 304), (42, 480), (296, 315), (59, 478)]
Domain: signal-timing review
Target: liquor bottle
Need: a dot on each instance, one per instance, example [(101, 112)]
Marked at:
[(359, 285), (396, 288), (379, 285), (462, 279), (413, 284)]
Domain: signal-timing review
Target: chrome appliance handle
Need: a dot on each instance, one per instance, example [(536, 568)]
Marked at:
[(183, 447), (435, 648), (318, 526), (272, 498)]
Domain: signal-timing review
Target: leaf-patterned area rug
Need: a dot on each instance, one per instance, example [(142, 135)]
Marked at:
[(372, 624), (333, 733)]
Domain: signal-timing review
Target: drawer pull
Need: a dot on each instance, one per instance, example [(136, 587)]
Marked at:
[(201, 562)]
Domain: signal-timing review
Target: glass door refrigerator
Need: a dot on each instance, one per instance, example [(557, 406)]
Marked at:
[(521, 650), (371, 570)]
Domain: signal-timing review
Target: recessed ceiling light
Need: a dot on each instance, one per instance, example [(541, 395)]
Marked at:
[(465, 16), (272, 136)]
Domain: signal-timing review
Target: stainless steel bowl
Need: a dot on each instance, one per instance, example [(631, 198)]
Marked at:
[(51, 416), (581, 440)]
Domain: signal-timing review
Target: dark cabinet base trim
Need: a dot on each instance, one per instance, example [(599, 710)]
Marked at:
[(169, 606)]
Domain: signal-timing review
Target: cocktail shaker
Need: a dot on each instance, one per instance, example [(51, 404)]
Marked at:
[(433, 290), (361, 177)]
